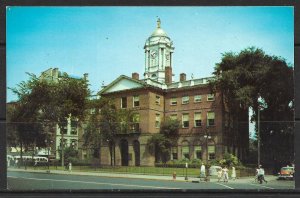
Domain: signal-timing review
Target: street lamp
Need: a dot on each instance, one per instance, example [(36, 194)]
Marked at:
[(48, 149), (207, 137), (258, 136), (186, 167)]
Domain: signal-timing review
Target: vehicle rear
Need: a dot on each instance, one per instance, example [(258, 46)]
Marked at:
[(286, 173)]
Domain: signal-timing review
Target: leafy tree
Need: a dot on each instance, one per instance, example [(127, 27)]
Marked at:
[(70, 153), (161, 143), (229, 160), (92, 135), (245, 77), (51, 102)]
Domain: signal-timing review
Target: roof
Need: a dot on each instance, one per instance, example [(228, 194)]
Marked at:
[(136, 84)]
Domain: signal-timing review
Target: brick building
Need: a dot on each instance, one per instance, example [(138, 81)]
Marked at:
[(207, 130)]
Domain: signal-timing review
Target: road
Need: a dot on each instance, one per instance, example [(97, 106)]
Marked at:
[(44, 181)]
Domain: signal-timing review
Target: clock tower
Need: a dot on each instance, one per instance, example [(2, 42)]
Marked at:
[(158, 55)]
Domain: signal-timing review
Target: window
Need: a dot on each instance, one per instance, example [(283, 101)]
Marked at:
[(197, 152), (185, 99), (64, 142), (185, 121), (135, 125), (73, 143), (157, 100), (173, 117), (210, 118), (64, 129), (210, 97), (123, 102), (157, 121), (185, 152), (197, 119), (211, 152), (136, 101), (197, 98), (173, 101), (74, 124), (174, 153)]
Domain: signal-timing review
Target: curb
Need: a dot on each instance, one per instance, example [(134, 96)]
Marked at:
[(95, 175)]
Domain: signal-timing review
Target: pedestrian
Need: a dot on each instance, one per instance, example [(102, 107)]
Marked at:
[(233, 174), (16, 162), (261, 174), (35, 162), (225, 174), (70, 166), (202, 172), (219, 174)]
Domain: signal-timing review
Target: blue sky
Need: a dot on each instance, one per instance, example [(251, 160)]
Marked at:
[(108, 41)]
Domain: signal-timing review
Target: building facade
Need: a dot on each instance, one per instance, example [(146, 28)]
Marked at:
[(207, 131), (70, 133)]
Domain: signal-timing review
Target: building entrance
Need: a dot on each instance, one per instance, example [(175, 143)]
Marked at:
[(124, 152)]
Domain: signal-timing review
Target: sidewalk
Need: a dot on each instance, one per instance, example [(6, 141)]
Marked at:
[(136, 176)]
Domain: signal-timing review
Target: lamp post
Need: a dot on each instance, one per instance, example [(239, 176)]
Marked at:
[(46, 142), (206, 136), (186, 167), (48, 151), (258, 137)]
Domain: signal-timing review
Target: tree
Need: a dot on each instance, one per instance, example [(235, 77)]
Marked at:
[(51, 102), (113, 121), (161, 143), (92, 136), (245, 77)]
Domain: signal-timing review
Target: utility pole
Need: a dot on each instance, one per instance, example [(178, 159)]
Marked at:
[(258, 136)]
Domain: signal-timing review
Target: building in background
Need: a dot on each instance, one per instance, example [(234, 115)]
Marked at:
[(207, 130)]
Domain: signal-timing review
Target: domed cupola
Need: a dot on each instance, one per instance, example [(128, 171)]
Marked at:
[(158, 31), (158, 54)]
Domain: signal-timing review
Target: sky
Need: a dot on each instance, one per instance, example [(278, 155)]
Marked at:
[(107, 42)]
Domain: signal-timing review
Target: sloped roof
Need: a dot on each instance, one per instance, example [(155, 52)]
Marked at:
[(123, 83)]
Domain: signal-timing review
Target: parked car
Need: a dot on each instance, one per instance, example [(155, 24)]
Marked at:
[(213, 170), (286, 173)]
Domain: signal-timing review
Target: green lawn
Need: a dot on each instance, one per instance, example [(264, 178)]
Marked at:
[(131, 170)]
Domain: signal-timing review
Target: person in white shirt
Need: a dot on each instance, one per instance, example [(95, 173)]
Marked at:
[(233, 174), (261, 174), (202, 172), (225, 174)]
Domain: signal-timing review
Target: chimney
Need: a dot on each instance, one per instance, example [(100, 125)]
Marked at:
[(168, 75), (135, 76), (85, 76), (182, 77)]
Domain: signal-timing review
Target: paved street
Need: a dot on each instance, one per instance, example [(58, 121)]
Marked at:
[(24, 180)]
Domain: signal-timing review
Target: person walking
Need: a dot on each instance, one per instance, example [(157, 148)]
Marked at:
[(70, 166), (225, 174), (261, 174), (219, 174), (233, 174), (202, 172)]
